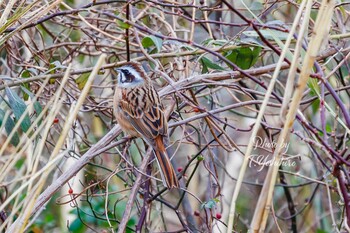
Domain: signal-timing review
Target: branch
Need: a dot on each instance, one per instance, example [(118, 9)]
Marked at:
[(102, 145), (134, 191)]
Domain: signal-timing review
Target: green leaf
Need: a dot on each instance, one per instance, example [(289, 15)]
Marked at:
[(20, 163), (76, 226), (244, 57), (315, 105), (18, 107), (186, 47), (81, 81), (37, 107), (314, 91), (321, 231), (208, 64), (256, 52), (232, 56), (209, 204), (210, 42), (9, 125), (150, 41), (131, 222), (26, 74), (251, 41), (75, 35), (343, 10), (122, 24), (344, 70), (268, 34)]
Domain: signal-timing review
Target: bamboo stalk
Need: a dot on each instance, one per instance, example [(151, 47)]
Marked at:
[(257, 123), (320, 33), (21, 224)]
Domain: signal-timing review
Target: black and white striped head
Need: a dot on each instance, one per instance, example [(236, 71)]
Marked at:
[(130, 75)]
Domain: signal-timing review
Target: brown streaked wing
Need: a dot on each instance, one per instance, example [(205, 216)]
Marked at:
[(149, 123)]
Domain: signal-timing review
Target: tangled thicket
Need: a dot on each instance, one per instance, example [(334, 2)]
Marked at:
[(257, 95)]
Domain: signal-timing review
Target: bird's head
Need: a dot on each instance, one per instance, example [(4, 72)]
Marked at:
[(131, 75)]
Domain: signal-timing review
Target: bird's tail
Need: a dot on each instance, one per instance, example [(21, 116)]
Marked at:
[(166, 169)]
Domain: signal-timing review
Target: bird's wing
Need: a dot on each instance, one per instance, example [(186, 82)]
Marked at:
[(148, 121)]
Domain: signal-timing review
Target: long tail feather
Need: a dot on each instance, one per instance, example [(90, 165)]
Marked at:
[(166, 169)]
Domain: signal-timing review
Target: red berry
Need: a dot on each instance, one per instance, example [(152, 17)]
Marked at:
[(70, 191), (56, 120), (196, 110), (179, 169), (196, 213), (218, 215)]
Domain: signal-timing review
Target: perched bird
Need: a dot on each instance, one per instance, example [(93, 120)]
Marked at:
[(139, 112)]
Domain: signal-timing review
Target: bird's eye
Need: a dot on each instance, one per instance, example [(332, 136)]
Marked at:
[(127, 76)]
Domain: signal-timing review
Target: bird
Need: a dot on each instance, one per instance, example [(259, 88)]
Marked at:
[(140, 113)]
